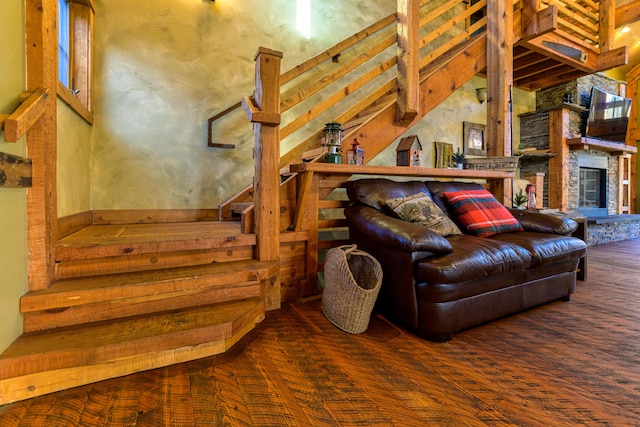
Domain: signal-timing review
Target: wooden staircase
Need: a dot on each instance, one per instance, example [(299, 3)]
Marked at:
[(109, 314)]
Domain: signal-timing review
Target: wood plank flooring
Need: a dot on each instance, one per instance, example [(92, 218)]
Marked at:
[(566, 363)]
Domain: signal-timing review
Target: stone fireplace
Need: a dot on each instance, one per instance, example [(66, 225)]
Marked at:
[(581, 174)]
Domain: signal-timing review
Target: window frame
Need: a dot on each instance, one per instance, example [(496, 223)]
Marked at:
[(79, 95)]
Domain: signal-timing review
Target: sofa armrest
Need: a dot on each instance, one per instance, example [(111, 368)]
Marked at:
[(396, 233), (544, 223)]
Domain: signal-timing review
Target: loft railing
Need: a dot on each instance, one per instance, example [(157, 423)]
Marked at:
[(579, 18)]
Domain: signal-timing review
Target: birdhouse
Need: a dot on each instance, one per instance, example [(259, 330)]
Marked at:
[(409, 152)]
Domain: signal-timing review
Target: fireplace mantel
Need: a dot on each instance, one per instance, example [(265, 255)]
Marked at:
[(615, 148)]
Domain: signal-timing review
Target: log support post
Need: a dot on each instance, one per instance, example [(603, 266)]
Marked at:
[(408, 62), (42, 64), (529, 17), (607, 22), (499, 88)]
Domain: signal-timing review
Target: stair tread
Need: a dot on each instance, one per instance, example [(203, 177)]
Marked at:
[(114, 240), (101, 342), (77, 291)]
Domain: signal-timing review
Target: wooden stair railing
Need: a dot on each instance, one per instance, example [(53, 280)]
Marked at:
[(307, 104), (28, 112), (308, 100)]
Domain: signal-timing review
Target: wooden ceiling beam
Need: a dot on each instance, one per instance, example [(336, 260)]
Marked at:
[(531, 59), (627, 14), (551, 78), (540, 69)]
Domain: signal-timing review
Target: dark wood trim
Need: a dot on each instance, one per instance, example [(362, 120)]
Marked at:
[(73, 223), (153, 216)]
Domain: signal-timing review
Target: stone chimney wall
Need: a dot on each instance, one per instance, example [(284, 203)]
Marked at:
[(534, 132)]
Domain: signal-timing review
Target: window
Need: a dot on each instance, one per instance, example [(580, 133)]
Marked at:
[(75, 55), (63, 42)]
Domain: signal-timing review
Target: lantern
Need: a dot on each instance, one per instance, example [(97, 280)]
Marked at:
[(333, 140), (531, 196), (355, 155)]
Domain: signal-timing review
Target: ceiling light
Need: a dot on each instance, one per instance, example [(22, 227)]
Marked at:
[(625, 29)]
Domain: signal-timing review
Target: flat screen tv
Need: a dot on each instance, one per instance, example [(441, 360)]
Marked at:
[(608, 116)]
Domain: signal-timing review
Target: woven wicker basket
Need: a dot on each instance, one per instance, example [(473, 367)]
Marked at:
[(509, 163), (352, 281)]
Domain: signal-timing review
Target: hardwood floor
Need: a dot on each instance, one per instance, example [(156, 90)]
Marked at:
[(566, 363)]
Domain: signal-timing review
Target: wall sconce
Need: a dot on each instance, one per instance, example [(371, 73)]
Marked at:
[(481, 94)]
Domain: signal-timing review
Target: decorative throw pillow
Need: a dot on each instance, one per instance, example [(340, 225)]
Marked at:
[(420, 209), (481, 214)]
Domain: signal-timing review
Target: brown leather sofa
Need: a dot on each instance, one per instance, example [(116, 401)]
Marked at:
[(438, 285)]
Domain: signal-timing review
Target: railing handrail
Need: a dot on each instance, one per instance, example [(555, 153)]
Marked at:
[(441, 36), (334, 52), (586, 13)]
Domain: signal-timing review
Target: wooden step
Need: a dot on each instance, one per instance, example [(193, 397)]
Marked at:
[(84, 267), (83, 300), (118, 248), (43, 362), (98, 241)]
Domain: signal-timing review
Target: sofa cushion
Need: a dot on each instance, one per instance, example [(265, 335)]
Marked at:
[(420, 209), (481, 214), (545, 248), (472, 258), (437, 188), (374, 191)]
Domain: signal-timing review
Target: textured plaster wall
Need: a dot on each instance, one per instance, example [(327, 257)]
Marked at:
[(13, 206), (162, 68), (444, 123), (74, 161)]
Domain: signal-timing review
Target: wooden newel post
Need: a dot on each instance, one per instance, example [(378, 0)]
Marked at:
[(263, 110)]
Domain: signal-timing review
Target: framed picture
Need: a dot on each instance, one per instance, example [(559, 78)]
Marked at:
[(473, 139)]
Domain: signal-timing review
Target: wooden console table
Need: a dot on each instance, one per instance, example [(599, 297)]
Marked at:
[(318, 180)]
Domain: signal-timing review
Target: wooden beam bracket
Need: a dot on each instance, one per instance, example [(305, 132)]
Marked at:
[(27, 113), (612, 58), (545, 21), (256, 116)]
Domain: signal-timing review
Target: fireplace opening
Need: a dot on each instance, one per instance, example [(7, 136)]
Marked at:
[(592, 185)]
